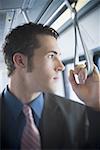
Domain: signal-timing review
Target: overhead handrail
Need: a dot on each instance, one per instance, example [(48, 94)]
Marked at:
[(88, 57)]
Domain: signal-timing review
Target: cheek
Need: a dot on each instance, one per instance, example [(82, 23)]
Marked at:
[(48, 66), (44, 70), (44, 75), (48, 70)]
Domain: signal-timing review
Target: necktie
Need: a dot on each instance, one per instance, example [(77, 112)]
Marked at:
[(30, 137)]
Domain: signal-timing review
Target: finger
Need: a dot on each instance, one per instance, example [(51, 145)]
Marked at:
[(96, 69), (95, 76), (81, 72), (78, 68), (73, 80), (82, 75)]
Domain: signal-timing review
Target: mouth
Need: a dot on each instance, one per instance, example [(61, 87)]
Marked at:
[(56, 78)]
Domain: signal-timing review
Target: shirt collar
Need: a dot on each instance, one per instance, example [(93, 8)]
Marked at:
[(15, 104), (37, 105)]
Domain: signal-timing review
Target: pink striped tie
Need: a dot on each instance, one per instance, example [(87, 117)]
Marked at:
[(30, 137)]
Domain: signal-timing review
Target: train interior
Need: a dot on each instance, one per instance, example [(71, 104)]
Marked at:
[(57, 14)]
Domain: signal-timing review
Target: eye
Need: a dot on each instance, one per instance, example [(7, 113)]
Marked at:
[(51, 56)]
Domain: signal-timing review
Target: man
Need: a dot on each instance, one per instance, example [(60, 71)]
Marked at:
[(33, 61)]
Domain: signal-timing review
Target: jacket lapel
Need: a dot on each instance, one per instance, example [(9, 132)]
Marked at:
[(51, 123)]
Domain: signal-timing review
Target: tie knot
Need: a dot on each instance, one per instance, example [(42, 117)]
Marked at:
[(27, 111)]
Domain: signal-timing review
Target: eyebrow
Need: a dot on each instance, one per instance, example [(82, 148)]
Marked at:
[(54, 52)]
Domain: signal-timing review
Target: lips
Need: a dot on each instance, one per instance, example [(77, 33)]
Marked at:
[(56, 78)]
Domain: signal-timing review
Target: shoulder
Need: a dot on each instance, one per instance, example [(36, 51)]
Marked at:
[(1, 95), (1, 99), (63, 103)]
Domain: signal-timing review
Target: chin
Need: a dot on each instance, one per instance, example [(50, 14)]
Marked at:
[(52, 89)]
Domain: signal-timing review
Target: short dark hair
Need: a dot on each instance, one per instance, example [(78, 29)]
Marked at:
[(23, 39)]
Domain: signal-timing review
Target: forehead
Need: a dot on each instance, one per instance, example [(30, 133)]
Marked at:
[(48, 43)]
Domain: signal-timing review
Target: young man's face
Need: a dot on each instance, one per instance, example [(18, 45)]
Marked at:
[(46, 64)]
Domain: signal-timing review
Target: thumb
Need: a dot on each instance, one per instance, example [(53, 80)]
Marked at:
[(73, 80)]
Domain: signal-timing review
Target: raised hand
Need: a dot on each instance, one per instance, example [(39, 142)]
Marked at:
[(88, 88)]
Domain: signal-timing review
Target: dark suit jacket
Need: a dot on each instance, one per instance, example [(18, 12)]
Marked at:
[(65, 124)]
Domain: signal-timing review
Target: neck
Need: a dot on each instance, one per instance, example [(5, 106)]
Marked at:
[(21, 91)]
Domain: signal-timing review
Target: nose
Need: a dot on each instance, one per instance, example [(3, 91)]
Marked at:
[(59, 66)]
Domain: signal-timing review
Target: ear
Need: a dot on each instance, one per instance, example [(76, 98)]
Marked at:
[(20, 60)]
